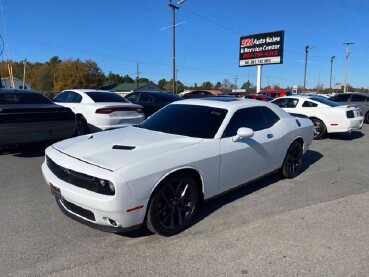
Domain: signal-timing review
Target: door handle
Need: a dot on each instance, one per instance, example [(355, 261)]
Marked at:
[(269, 136)]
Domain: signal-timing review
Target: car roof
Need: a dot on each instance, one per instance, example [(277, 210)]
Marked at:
[(84, 90), (11, 90), (356, 93)]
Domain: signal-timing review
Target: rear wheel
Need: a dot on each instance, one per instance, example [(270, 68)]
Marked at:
[(173, 205), (367, 117), (293, 161), (82, 127), (319, 128)]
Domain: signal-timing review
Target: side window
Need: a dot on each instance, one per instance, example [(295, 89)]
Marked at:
[(282, 103), (145, 98), (62, 97), (74, 97), (132, 97), (358, 98), (341, 98), (270, 117), (309, 104), (250, 118), (292, 103)]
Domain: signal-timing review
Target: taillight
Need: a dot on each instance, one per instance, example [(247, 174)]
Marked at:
[(350, 114), (118, 109)]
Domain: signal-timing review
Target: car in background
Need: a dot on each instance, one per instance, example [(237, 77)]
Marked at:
[(275, 93), (98, 110), (196, 94), (354, 98), (159, 173), (327, 116), (28, 116), (258, 97), (152, 101)]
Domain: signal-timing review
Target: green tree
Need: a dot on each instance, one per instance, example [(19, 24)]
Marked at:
[(162, 83), (218, 85), (207, 85)]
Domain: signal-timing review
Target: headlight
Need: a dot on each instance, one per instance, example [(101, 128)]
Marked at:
[(106, 185)]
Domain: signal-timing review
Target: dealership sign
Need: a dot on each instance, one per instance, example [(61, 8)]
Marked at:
[(266, 48)]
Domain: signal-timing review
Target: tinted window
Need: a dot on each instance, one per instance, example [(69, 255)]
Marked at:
[(23, 98), (252, 118), (145, 98), (324, 101), (270, 117), (133, 97), (358, 98), (186, 120), (286, 102), (74, 97), (340, 98), (99, 96), (309, 104), (62, 97)]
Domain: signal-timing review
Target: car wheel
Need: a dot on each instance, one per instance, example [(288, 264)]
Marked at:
[(319, 128), (367, 117), (82, 127), (173, 205), (293, 161)]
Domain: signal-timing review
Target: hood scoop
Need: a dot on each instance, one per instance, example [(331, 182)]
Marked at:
[(124, 147)]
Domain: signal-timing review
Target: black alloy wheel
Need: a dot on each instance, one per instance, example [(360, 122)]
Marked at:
[(367, 117), (173, 205), (293, 161), (319, 128), (82, 128)]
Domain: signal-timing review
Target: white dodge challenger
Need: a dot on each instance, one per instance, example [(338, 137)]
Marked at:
[(159, 173)]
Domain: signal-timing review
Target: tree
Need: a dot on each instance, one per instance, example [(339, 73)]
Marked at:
[(127, 79), (226, 85), (248, 87), (207, 85), (218, 85), (144, 80), (162, 83), (113, 78)]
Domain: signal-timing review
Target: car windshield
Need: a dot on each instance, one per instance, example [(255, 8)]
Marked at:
[(186, 120), (23, 98), (325, 101), (100, 96)]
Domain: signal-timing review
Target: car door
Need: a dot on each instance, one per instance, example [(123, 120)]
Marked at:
[(247, 158)]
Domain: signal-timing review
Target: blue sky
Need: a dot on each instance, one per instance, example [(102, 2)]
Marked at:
[(118, 34)]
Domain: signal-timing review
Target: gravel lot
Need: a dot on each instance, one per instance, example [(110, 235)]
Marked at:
[(314, 225)]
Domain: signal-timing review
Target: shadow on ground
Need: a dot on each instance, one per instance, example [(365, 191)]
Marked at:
[(226, 198), (345, 136), (26, 150)]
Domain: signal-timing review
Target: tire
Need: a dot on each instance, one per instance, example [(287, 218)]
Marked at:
[(81, 128), (293, 161), (173, 205), (367, 117), (319, 128)]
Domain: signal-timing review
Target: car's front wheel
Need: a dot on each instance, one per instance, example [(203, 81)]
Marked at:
[(293, 161), (173, 205), (367, 117), (319, 128)]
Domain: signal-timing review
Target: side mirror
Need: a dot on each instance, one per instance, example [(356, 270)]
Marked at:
[(243, 133)]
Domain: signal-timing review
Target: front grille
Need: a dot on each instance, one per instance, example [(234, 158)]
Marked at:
[(77, 179), (78, 210)]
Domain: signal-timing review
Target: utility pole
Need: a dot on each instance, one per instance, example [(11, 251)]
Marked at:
[(24, 73), (307, 48), (330, 79), (346, 64), (235, 82), (176, 79), (138, 75)]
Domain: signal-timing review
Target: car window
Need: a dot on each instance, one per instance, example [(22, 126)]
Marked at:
[(145, 98), (286, 102), (23, 98), (133, 97), (309, 104), (101, 96), (186, 120), (324, 101), (74, 97), (270, 117), (252, 118), (62, 97), (358, 98), (340, 97)]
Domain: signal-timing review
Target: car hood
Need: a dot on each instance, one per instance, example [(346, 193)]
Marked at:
[(120, 147)]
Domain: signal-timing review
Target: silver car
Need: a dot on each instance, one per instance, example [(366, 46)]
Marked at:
[(354, 98)]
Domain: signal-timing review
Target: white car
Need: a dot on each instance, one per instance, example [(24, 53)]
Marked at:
[(159, 173), (98, 110), (327, 116)]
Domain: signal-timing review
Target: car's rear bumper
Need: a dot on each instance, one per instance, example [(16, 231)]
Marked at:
[(352, 124)]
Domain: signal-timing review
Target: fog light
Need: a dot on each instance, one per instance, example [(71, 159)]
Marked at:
[(113, 222)]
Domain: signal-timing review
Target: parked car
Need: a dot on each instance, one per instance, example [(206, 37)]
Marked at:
[(327, 116), (354, 98), (275, 93), (197, 94), (159, 173), (98, 110), (152, 101), (258, 97), (29, 116)]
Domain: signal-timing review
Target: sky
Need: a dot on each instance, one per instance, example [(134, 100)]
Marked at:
[(119, 34)]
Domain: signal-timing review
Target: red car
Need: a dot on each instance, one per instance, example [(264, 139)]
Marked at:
[(275, 93), (259, 97)]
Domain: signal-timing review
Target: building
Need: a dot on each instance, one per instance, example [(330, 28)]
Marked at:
[(18, 84)]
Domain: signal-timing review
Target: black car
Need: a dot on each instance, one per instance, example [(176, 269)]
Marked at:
[(197, 94), (152, 101), (354, 98), (28, 116)]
